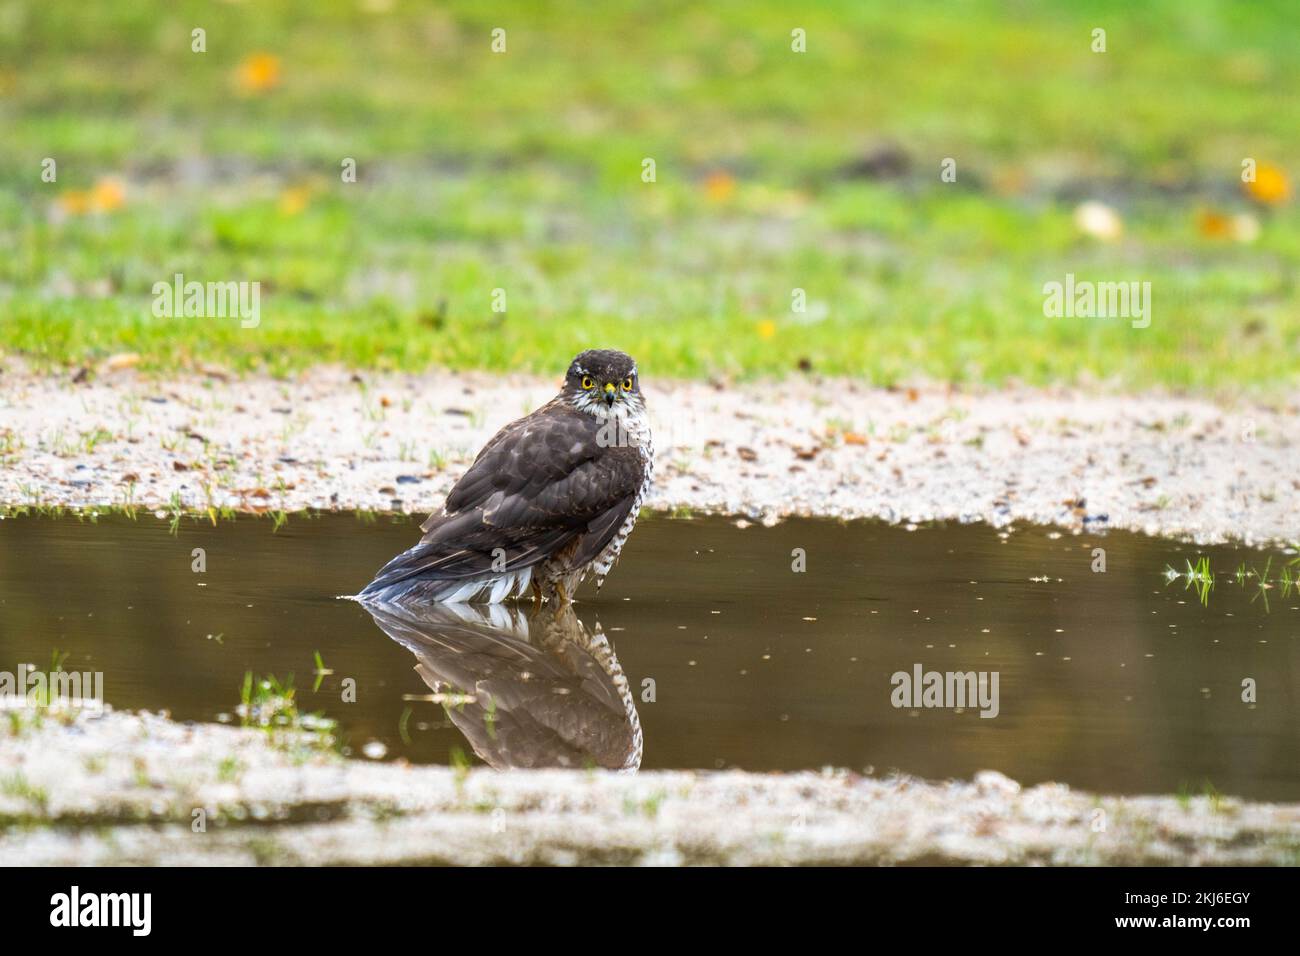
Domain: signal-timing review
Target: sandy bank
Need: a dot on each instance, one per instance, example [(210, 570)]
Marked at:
[(137, 788), (334, 440)]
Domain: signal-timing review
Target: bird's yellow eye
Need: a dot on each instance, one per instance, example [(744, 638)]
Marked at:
[(627, 385), (588, 382)]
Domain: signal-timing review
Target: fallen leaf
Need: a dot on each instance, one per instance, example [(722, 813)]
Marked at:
[(258, 73), (121, 360), (1270, 186), (719, 186), (108, 195), (1213, 225), (1098, 220), (294, 200), (74, 202)]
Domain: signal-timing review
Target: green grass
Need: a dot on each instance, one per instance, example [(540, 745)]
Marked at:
[(1201, 578), (521, 172), (269, 704)]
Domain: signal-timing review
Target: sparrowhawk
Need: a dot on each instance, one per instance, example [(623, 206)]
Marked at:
[(551, 498)]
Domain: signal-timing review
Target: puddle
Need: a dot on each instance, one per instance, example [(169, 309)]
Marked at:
[(1122, 681)]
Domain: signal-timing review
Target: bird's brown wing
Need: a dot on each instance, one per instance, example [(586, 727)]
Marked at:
[(542, 484)]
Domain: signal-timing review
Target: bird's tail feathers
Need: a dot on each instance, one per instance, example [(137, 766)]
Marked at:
[(492, 588)]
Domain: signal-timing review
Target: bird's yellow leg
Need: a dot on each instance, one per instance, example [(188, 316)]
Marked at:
[(537, 593), (559, 589)]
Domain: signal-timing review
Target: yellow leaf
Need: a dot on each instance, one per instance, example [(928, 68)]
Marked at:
[(1213, 225), (719, 186), (74, 202), (108, 195), (294, 200), (258, 72), (1242, 227), (1270, 186)]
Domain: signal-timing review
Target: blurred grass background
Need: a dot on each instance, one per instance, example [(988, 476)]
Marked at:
[(775, 171)]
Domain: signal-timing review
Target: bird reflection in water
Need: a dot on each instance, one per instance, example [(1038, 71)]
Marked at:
[(526, 690)]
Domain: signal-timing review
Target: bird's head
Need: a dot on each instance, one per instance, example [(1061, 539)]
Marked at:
[(602, 382)]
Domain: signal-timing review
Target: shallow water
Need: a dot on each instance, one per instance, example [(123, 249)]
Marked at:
[(1118, 681)]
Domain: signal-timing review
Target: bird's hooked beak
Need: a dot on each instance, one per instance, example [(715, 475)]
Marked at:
[(611, 393)]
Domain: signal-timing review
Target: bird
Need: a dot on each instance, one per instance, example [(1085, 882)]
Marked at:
[(537, 690), (550, 498)]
